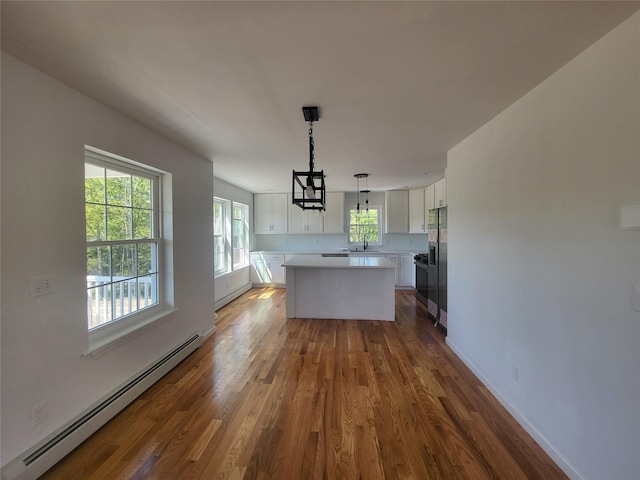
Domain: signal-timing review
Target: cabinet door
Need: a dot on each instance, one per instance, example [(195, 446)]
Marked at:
[(416, 211), (297, 218), (277, 271), (397, 212), (258, 268), (406, 271), (334, 214), (314, 221), (441, 193), (262, 213), (279, 209), (429, 198)]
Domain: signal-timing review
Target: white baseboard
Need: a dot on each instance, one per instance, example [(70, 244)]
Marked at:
[(232, 296), (37, 460), (544, 443)]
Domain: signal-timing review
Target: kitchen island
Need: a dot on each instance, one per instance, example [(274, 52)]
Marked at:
[(353, 288)]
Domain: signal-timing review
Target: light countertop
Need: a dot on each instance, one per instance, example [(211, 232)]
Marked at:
[(309, 261)]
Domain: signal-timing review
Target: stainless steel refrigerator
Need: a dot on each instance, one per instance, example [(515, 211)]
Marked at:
[(437, 271)]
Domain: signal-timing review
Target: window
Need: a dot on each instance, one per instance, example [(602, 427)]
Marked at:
[(364, 224), (219, 221), (240, 235), (122, 201), (230, 235)]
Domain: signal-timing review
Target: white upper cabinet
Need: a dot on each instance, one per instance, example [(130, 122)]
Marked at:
[(334, 214), (304, 221), (397, 211), (440, 193), (429, 198), (417, 211), (314, 221), (270, 212)]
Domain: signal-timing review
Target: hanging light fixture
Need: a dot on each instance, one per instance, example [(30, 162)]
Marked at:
[(366, 191), (358, 177), (311, 191)]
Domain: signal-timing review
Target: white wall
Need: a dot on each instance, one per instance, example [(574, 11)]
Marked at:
[(540, 275), (45, 126), (229, 283)]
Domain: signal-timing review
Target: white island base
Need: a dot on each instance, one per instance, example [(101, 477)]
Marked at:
[(352, 288)]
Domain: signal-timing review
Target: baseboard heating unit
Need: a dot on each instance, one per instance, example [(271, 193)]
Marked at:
[(51, 450)]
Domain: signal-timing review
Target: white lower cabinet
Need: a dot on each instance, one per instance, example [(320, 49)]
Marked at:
[(267, 269), (406, 272)]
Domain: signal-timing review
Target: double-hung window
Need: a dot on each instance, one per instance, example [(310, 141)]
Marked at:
[(122, 205), (230, 235), (364, 225), (240, 244), (220, 230)]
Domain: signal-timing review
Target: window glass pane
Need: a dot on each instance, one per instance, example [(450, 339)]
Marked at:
[(119, 223), (99, 305), (142, 193), (94, 184), (364, 224), (118, 188), (219, 259), (95, 222), (123, 260), (146, 258), (218, 218), (125, 297), (147, 290), (99, 264), (142, 223)]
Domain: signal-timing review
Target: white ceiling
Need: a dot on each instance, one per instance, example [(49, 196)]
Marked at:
[(397, 83)]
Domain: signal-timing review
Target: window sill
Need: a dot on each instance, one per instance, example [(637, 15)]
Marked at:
[(230, 272), (105, 339)]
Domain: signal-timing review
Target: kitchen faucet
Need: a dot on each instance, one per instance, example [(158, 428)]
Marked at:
[(365, 244)]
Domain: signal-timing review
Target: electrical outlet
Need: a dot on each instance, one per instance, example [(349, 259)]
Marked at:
[(39, 414), (338, 285), (41, 285)]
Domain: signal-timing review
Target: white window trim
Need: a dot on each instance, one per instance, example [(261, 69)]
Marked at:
[(228, 239), (104, 338), (245, 235), (226, 226), (380, 241)]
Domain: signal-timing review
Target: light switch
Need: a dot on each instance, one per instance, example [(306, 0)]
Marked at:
[(41, 285), (630, 217)]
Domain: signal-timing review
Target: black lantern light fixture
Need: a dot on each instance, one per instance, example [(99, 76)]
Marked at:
[(308, 190)]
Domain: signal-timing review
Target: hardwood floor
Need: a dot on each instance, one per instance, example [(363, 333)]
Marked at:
[(273, 398)]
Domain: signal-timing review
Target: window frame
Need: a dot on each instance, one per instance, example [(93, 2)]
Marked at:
[(219, 270), (107, 333), (360, 240), (228, 236), (243, 252)]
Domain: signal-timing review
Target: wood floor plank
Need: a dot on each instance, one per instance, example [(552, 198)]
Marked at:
[(269, 398)]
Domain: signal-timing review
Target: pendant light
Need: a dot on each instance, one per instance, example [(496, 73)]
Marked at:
[(311, 194), (359, 176)]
